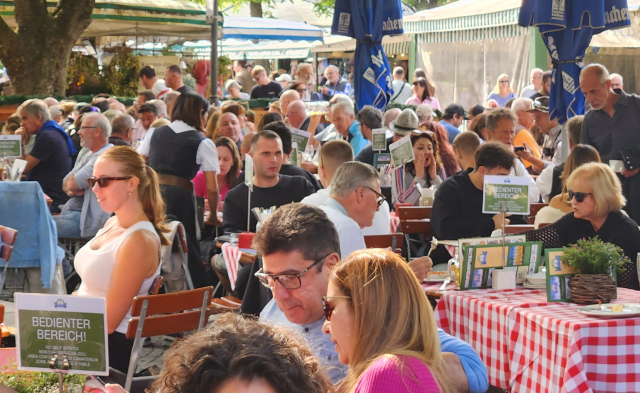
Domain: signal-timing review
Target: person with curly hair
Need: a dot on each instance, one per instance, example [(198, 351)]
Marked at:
[(237, 354), (447, 156)]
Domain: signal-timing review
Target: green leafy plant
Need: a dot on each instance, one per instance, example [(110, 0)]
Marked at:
[(121, 74), (593, 256), (36, 382)]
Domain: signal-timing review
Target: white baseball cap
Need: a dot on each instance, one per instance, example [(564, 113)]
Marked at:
[(284, 78)]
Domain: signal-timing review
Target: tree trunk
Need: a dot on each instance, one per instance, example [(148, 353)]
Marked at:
[(256, 9), (37, 55)]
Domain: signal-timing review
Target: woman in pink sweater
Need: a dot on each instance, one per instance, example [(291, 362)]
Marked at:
[(383, 326)]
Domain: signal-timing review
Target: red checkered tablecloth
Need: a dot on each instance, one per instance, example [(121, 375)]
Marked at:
[(557, 349), (529, 345), (480, 317)]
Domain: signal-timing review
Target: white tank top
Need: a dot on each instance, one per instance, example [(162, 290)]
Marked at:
[(95, 267)]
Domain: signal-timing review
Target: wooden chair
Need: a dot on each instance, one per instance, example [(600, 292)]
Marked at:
[(516, 229), (159, 315), (393, 240), (8, 238), (534, 208), (414, 220)]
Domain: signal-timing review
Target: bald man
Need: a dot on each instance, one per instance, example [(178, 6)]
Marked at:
[(335, 84), (611, 126), (287, 97), (616, 81), (297, 115)]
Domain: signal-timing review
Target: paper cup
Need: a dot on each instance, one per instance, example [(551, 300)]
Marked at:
[(245, 239)]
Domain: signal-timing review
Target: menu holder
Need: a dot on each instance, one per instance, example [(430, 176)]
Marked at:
[(558, 275), (478, 262)]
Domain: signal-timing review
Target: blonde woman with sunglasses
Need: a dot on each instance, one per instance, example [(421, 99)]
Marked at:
[(502, 91), (123, 259), (383, 326)]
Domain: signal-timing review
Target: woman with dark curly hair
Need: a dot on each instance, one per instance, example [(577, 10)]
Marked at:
[(238, 354), (447, 156)]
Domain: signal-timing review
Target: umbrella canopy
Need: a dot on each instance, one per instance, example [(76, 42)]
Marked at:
[(367, 21), (567, 27), (177, 18)]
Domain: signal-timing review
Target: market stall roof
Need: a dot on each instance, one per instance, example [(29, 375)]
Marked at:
[(464, 14), (392, 44), (247, 50), (177, 18)]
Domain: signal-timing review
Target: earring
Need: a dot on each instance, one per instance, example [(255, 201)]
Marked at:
[(129, 193)]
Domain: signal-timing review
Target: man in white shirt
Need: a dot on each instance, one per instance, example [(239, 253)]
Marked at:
[(151, 82), (536, 84), (501, 127), (330, 157), (401, 89)]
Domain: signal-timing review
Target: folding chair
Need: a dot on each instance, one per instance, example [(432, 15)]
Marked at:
[(415, 220), (160, 315), (534, 208), (393, 240), (7, 240), (71, 246)]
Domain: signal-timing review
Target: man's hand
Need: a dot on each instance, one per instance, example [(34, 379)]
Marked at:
[(421, 267), (627, 173), (212, 219), (325, 90), (453, 368), (497, 221), (309, 166)]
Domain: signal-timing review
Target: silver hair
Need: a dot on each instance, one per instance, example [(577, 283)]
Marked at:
[(55, 111), (536, 70), (35, 107), (600, 71), (99, 120), (370, 116), (340, 98), (331, 67), (345, 106), (618, 75), (121, 123), (497, 114), (390, 115), (351, 175), (171, 97), (161, 106)]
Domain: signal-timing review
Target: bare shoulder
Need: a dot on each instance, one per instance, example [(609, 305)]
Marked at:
[(142, 240)]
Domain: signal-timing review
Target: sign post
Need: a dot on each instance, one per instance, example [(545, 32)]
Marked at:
[(62, 333)]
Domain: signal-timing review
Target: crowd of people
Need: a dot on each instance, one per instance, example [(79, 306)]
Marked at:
[(116, 175)]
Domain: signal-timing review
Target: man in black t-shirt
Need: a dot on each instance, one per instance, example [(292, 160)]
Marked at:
[(50, 159), (270, 188), (265, 88), (173, 79)]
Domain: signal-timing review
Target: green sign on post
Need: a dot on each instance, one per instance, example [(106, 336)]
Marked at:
[(505, 194), (73, 326)]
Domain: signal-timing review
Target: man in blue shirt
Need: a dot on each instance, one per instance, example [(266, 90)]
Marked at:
[(452, 118), (50, 159), (82, 215), (344, 122), (299, 246), (335, 84)]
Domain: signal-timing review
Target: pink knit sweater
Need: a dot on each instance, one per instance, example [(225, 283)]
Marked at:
[(389, 375)]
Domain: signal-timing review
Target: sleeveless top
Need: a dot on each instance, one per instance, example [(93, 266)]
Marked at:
[(95, 267)]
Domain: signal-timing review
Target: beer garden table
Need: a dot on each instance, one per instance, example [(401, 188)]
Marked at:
[(529, 345)]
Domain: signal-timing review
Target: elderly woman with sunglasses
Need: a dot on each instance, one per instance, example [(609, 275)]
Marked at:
[(123, 259), (596, 198)]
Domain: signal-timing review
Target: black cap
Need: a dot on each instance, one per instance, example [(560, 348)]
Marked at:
[(454, 109), (475, 111)]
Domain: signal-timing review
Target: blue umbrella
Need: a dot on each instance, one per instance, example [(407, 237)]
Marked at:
[(567, 27), (367, 21)]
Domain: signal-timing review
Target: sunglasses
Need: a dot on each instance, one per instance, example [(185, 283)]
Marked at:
[(103, 182), (579, 196), (328, 310), (379, 197), (504, 81)]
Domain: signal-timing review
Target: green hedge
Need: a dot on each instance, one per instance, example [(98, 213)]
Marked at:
[(18, 99)]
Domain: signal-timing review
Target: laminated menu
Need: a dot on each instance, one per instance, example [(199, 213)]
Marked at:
[(478, 262)]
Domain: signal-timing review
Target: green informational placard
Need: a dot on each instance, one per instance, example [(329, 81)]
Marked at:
[(74, 326), (300, 137), (505, 194), (478, 262), (401, 151), (10, 146), (381, 159), (558, 275), (379, 139), (293, 157)]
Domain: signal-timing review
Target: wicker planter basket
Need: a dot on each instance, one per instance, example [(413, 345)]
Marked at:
[(589, 288)]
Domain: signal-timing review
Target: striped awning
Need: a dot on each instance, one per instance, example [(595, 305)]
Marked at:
[(393, 45), (474, 20)]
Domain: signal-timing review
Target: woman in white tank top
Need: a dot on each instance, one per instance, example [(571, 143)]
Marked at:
[(123, 259)]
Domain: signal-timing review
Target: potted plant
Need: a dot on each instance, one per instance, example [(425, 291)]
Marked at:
[(13, 380), (595, 263)]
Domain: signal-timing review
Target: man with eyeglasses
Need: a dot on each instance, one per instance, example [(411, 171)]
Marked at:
[(122, 130), (299, 246), (334, 84), (536, 83)]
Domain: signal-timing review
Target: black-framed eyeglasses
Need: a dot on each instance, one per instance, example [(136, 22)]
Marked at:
[(328, 310), (379, 197), (579, 196), (288, 281), (103, 182)]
